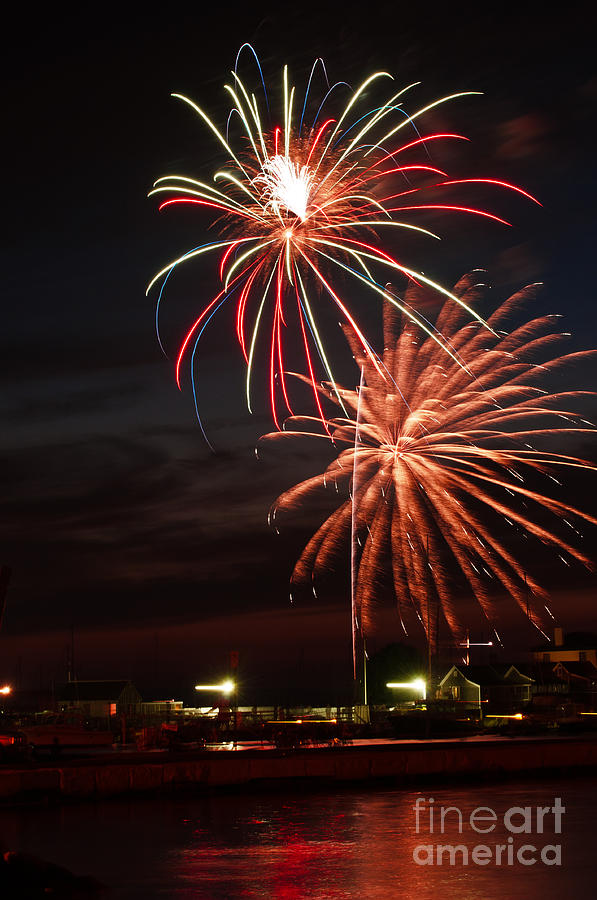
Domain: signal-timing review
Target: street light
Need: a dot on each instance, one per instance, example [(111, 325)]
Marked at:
[(226, 687), (416, 685), (6, 690)]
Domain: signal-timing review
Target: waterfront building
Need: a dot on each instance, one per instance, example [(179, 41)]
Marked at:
[(99, 699), (488, 688)]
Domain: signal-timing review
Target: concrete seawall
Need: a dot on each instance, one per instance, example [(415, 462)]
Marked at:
[(398, 762)]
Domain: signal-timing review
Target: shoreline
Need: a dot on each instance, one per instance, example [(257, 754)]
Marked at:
[(396, 762)]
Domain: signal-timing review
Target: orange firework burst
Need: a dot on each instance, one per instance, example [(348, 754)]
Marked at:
[(436, 459)]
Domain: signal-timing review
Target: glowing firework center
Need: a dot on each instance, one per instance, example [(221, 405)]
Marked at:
[(285, 185)]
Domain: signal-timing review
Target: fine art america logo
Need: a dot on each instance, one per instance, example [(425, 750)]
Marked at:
[(524, 826)]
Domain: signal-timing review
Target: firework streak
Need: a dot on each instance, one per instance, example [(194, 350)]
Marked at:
[(435, 464), (300, 204)]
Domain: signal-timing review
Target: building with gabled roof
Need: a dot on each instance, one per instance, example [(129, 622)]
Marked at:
[(502, 687), (99, 699), (576, 681)]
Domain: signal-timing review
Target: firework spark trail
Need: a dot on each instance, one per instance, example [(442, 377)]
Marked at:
[(303, 203), (443, 460)]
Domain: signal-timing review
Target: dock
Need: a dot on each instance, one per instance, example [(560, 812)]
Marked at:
[(396, 762)]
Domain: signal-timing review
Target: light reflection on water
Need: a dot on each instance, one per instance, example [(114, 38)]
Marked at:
[(352, 843)]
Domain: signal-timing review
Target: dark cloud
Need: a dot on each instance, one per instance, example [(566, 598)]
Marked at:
[(73, 403)]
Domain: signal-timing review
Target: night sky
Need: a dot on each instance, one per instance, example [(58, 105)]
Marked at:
[(117, 517)]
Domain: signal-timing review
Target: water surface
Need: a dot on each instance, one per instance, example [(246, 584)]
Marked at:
[(306, 845)]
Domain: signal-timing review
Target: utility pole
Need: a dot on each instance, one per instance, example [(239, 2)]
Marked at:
[(70, 652), (359, 652), (365, 693), (428, 640), (429, 634)]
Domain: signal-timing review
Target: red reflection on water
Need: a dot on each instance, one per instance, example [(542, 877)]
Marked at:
[(344, 845), (363, 846), (298, 871)]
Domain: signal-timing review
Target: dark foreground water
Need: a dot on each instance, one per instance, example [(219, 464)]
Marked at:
[(339, 844)]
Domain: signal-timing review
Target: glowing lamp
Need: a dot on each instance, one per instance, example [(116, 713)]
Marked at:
[(416, 685), (226, 687)]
